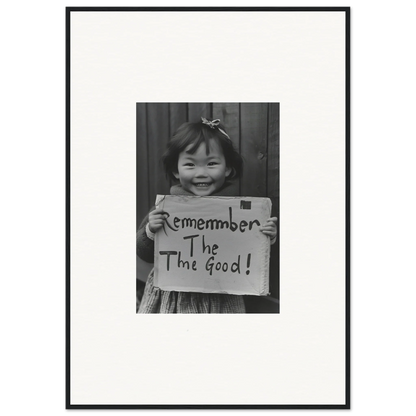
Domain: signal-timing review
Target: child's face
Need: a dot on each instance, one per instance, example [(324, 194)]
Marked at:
[(202, 174)]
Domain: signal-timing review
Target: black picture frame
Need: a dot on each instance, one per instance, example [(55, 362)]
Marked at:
[(350, 403)]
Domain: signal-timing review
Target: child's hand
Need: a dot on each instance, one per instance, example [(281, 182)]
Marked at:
[(157, 219), (270, 228)]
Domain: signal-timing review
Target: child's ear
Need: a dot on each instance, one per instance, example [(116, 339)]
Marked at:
[(176, 175), (228, 172)]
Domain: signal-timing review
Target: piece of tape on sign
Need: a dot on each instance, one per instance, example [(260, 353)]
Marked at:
[(245, 205)]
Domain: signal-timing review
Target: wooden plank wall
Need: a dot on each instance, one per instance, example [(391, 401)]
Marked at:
[(254, 130)]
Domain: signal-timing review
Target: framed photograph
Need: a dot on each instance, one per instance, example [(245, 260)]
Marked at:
[(215, 141)]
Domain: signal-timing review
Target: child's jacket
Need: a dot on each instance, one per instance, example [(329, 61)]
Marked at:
[(156, 300)]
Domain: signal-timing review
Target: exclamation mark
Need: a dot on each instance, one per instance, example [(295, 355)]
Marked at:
[(248, 263)]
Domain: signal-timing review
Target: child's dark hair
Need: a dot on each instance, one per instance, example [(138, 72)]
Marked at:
[(195, 134)]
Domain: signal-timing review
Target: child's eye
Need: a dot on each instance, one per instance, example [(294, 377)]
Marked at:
[(212, 163), (189, 164)]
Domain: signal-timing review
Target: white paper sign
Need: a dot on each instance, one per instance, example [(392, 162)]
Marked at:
[(213, 245)]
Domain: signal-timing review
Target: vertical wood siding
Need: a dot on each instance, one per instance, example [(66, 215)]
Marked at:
[(254, 130)]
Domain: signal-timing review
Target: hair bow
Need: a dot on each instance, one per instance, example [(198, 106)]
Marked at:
[(213, 124)]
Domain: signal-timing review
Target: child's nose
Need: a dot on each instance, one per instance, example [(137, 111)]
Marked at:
[(201, 172)]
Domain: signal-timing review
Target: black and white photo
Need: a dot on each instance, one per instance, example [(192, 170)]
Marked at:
[(242, 161)]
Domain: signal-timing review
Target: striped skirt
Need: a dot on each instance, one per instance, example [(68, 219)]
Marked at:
[(156, 300)]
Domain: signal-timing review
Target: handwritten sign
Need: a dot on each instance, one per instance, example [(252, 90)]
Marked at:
[(213, 245)]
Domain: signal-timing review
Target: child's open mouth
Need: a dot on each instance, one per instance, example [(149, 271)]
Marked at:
[(202, 184)]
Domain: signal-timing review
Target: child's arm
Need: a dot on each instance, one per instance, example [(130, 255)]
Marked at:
[(270, 228), (144, 246), (145, 234)]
